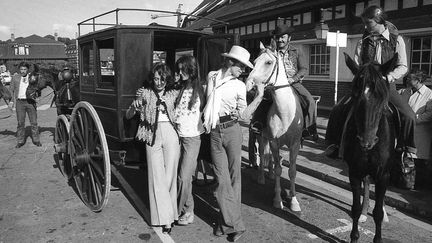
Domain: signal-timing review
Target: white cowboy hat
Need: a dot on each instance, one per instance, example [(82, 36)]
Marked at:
[(240, 54)]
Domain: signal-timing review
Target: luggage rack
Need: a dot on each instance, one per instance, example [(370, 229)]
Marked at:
[(92, 21)]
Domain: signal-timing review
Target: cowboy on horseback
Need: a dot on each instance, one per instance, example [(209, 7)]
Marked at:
[(380, 42), (295, 66)]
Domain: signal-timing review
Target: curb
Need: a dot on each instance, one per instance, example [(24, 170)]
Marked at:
[(404, 206), (389, 201)]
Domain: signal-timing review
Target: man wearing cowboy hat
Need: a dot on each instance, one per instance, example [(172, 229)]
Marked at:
[(295, 68), (226, 102)]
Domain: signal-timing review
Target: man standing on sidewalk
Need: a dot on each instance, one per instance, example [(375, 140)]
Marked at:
[(23, 105)]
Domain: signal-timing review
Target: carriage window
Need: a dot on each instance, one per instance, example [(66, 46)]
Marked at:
[(319, 59), (106, 62), (87, 71), (159, 56)]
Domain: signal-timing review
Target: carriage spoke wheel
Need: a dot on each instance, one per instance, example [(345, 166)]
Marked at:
[(89, 156), (61, 139)]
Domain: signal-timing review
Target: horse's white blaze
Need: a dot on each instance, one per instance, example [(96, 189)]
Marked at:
[(284, 99)]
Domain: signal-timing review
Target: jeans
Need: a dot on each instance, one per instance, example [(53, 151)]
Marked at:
[(190, 147), (308, 106), (29, 107), (225, 144)]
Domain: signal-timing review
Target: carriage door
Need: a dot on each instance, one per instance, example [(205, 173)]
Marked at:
[(210, 49)]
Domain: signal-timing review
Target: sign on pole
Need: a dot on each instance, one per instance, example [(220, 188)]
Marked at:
[(336, 39)]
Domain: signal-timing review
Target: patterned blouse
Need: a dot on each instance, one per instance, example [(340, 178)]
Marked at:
[(149, 113), (188, 122)]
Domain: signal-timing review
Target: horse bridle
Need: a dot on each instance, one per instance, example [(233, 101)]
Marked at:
[(275, 69)]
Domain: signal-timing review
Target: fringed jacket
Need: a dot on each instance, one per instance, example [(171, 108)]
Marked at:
[(149, 113)]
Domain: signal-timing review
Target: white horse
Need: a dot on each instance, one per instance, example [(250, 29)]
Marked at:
[(284, 121)]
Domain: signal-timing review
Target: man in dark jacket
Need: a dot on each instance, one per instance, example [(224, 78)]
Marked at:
[(24, 104)]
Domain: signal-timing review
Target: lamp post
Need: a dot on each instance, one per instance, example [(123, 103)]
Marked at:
[(333, 39)]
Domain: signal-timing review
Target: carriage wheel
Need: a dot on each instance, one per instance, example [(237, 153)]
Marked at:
[(61, 139), (89, 156)]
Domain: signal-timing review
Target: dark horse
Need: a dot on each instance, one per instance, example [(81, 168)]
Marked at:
[(369, 138), (65, 87), (42, 77)]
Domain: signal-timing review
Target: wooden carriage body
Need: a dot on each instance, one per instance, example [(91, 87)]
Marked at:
[(113, 63)]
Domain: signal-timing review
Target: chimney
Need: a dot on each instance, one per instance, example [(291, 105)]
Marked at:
[(56, 36), (12, 36)]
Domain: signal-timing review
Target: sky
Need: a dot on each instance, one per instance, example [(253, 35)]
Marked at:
[(44, 17)]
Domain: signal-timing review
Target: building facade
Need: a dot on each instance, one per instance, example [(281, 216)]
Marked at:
[(254, 20), (33, 49)]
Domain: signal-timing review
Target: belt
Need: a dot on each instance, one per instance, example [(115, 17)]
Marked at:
[(226, 124), (22, 99)]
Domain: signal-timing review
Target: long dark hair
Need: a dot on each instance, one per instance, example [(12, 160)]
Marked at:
[(189, 65)]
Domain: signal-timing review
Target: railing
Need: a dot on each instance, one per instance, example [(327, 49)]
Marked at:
[(117, 10)]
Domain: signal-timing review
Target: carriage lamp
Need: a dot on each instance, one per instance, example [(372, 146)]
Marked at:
[(321, 29), (67, 77)]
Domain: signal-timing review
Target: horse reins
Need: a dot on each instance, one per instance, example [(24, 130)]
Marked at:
[(274, 87)]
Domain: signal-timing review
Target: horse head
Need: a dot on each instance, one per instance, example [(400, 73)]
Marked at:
[(370, 94), (265, 66)]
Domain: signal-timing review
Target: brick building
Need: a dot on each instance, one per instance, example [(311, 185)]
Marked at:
[(254, 20), (33, 49)]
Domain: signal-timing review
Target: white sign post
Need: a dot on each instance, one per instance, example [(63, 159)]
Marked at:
[(336, 39)]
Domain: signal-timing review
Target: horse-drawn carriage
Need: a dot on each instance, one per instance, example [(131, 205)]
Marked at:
[(91, 129)]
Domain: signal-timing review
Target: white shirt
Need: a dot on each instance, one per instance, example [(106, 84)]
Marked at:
[(189, 123), (6, 77), (421, 103), (401, 65), (420, 98), (23, 87), (233, 97)]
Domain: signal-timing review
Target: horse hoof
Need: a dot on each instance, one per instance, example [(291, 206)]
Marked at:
[(385, 218), (278, 205), (295, 205), (362, 218)]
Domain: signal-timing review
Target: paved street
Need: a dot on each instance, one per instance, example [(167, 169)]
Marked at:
[(37, 204)]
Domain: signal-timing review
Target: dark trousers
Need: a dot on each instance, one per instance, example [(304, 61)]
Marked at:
[(406, 136), (308, 106), (225, 144), (29, 107)]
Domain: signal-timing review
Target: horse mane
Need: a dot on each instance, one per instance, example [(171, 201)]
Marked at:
[(369, 76)]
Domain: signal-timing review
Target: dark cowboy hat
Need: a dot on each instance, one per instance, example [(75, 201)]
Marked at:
[(283, 29)]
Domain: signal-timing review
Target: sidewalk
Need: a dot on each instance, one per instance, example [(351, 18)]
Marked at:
[(313, 162)]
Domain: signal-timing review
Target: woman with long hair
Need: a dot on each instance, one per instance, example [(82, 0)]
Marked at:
[(156, 107), (189, 127)]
